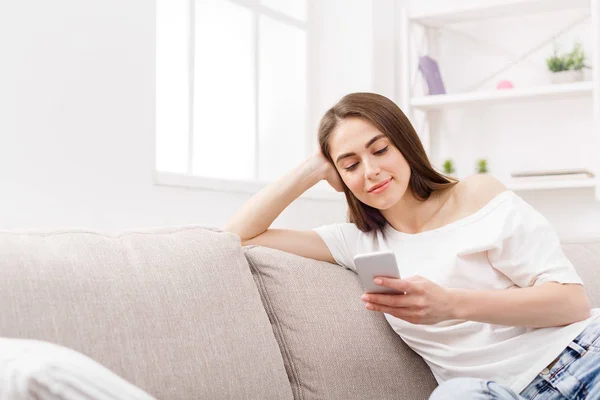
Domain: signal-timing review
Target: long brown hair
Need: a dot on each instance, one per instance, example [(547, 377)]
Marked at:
[(387, 117)]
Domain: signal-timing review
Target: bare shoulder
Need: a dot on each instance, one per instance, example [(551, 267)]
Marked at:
[(475, 191)]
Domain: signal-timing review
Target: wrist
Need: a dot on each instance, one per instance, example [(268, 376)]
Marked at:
[(458, 309), (304, 176), (314, 167)]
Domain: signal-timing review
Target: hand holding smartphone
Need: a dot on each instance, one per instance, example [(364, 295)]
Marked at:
[(370, 265)]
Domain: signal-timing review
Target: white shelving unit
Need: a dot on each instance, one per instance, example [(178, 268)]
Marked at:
[(507, 8), (557, 184), (549, 92), (434, 105)]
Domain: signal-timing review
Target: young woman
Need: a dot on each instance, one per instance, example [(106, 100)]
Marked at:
[(492, 304)]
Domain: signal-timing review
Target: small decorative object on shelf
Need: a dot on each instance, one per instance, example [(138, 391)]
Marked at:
[(505, 85), (567, 67), (551, 175), (431, 72), (482, 167), (449, 167)]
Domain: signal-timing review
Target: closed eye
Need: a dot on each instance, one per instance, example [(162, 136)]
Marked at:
[(377, 153), (382, 150)]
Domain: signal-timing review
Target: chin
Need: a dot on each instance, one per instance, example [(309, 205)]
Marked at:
[(385, 202), (382, 203)]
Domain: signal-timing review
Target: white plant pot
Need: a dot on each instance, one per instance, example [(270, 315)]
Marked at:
[(567, 76)]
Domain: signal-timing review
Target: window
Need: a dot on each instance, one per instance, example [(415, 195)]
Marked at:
[(231, 88)]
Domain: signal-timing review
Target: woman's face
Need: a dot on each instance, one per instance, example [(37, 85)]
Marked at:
[(370, 165)]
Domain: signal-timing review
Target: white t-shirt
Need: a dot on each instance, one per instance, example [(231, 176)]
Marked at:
[(506, 244)]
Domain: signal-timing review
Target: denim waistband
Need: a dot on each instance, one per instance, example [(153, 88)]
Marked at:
[(588, 337)]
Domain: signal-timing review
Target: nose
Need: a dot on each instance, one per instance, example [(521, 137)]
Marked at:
[(371, 169)]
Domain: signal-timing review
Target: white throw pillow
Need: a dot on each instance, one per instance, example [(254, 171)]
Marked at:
[(38, 370)]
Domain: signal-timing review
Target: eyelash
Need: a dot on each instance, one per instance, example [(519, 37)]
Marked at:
[(377, 153)]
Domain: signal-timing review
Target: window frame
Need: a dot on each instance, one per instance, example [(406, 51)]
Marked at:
[(190, 180)]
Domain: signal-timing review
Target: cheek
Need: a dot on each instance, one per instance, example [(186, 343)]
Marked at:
[(402, 163), (393, 163), (354, 182)]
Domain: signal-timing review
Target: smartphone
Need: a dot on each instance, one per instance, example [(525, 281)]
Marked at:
[(380, 263)]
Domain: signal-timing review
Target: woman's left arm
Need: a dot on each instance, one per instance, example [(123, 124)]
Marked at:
[(425, 302), (549, 304)]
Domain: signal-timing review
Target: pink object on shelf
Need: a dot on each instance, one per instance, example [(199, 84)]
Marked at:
[(504, 85)]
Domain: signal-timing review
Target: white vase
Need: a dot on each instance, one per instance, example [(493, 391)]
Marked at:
[(567, 76)]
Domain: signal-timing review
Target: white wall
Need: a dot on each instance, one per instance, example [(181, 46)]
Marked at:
[(341, 52)]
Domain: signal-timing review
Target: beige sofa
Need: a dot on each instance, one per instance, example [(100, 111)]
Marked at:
[(187, 313)]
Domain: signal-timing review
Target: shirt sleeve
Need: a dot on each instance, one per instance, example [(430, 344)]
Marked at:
[(342, 241), (528, 250)]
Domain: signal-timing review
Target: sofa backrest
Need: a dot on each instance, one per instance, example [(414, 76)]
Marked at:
[(585, 256), (174, 311), (333, 348)]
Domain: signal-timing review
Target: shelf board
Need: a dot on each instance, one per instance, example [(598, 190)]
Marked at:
[(547, 92), (552, 184), (508, 8)]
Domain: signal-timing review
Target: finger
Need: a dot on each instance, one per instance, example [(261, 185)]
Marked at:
[(392, 300), (401, 313), (401, 285)]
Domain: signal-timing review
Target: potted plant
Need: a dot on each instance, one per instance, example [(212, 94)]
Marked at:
[(449, 167), (481, 167), (567, 67)]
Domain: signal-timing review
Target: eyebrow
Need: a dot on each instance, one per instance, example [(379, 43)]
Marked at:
[(367, 145)]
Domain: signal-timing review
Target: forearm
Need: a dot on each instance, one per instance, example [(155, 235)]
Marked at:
[(549, 304), (263, 208)]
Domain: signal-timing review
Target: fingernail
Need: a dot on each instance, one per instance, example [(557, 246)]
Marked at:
[(378, 281)]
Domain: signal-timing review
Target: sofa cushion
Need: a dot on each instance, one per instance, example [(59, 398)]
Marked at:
[(174, 311), (585, 256), (333, 348)]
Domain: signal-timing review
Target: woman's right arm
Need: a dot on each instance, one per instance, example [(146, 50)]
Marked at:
[(251, 223)]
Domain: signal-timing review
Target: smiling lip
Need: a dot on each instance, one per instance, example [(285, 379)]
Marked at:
[(381, 187)]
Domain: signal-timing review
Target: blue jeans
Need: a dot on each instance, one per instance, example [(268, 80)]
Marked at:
[(574, 375)]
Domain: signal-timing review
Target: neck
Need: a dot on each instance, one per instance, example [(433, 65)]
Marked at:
[(410, 215)]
